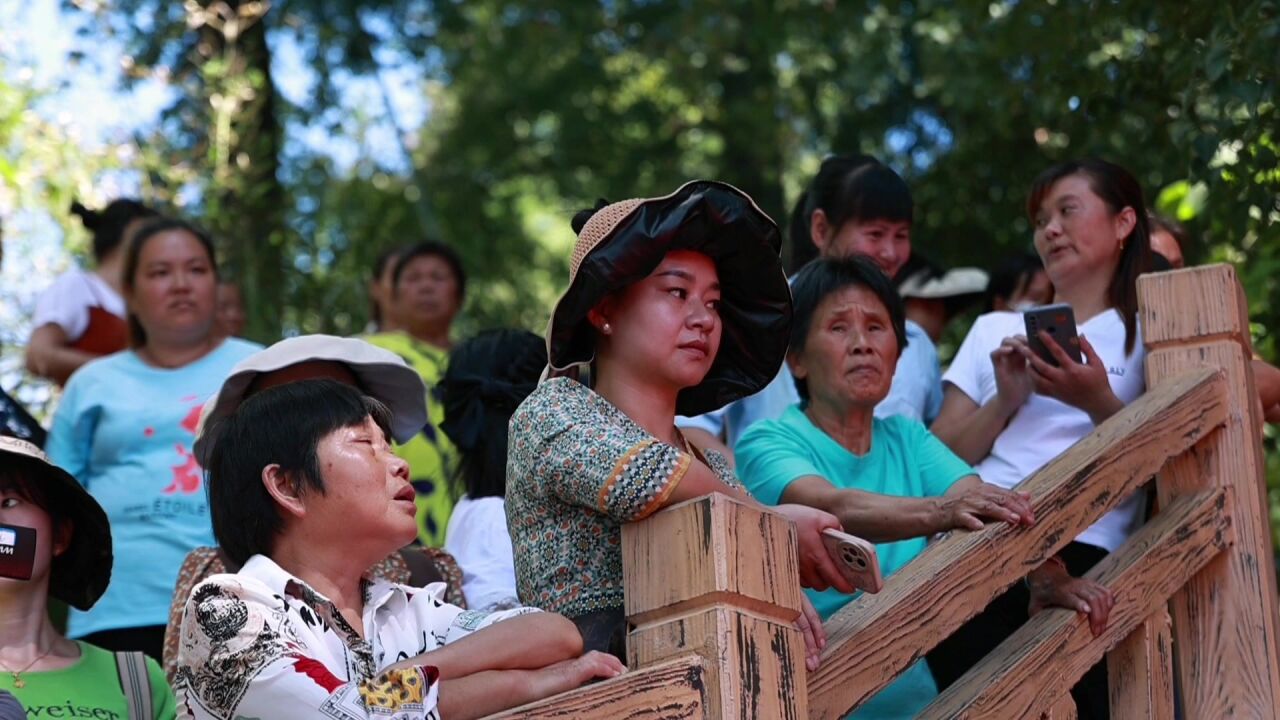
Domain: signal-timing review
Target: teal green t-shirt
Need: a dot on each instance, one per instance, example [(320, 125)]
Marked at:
[(905, 459), (90, 688)]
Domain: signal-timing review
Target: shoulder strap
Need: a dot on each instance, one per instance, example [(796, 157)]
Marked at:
[(136, 684)]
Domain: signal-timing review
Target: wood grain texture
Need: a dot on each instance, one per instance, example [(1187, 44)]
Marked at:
[(1063, 709), (1140, 671), (710, 550), (873, 639), (1044, 658), (720, 578), (1191, 305), (1225, 620), (755, 664), (669, 691)]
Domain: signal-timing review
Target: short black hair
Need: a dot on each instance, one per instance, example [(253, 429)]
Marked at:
[(857, 188), (824, 277), (489, 376), (431, 248), (21, 476), (282, 425)]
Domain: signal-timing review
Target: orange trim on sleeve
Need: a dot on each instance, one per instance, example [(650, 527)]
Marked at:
[(682, 467), (616, 473)]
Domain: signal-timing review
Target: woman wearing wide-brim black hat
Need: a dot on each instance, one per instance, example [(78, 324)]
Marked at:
[(71, 561), (678, 304)]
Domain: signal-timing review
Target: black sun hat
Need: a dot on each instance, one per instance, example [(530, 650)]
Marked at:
[(624, 242), (79, 575)]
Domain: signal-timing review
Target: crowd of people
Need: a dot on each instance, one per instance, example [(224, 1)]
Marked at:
[(400, 526)]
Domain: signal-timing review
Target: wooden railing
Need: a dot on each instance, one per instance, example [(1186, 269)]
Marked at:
[(712, 584)]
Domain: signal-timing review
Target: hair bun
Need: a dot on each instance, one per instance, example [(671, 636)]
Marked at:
[(581, 217), (89, 218)]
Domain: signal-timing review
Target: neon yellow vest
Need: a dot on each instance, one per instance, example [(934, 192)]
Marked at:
[(431, 457)]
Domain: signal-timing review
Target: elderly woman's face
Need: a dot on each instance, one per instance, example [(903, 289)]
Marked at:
[(851, 350), (367, 494)]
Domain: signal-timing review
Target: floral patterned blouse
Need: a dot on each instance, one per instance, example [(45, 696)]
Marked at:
[(262, 644), (577, 469)]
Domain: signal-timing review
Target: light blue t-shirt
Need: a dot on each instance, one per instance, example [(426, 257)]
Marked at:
[(124, 429), (905, 459), (916, 393)]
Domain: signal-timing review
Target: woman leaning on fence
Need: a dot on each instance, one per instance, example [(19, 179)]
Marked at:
[(677, 304)]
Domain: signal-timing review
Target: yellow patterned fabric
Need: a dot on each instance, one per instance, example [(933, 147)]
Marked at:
[(430, 455), (393, 689)]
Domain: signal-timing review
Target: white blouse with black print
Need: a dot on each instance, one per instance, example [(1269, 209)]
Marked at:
[(262, 644)]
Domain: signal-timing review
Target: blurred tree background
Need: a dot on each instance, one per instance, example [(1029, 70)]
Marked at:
[(538, 108)]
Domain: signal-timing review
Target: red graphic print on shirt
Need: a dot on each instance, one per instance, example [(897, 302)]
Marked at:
[(187, 475)]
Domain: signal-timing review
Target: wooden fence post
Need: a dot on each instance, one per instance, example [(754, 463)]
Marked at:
[(1141, 672), (719, 577), (1225, 618)]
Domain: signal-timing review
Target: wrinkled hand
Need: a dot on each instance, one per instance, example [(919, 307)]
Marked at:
[(1056, 588), (817, 569), (1080, 385), (815, 638), (967, 510), (1013, 377)]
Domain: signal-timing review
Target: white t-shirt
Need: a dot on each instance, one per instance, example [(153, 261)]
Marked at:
[(477, 538), (66, 302), (1043, 427)]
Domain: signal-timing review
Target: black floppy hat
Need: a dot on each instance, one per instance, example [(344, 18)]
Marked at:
[(624, 242), (79, 575)]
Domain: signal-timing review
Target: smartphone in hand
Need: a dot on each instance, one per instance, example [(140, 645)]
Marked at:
[(855, 558), (17, 551), (1060, 322)]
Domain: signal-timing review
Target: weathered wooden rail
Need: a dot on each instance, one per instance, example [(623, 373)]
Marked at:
[(712, 584)]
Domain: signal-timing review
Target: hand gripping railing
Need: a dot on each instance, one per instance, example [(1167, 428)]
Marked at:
[(712, 584)]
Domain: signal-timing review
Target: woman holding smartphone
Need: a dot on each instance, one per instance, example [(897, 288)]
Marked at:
[(1009, 412)]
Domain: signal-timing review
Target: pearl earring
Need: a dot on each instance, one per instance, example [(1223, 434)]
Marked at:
[(606, 329)]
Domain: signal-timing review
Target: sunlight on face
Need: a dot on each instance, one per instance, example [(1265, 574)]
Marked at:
[(666, 328)]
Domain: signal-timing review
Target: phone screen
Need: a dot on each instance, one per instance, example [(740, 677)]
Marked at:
[(17, 551)]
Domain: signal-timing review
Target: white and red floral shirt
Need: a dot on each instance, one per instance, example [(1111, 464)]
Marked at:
[(262, 644)]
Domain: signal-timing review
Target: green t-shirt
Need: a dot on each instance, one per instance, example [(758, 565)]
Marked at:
[(90, 688), (430, 455), (905, 459)]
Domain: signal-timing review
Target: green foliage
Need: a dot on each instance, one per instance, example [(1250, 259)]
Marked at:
[(541, 107)]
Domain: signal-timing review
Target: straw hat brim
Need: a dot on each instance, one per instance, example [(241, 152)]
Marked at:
[(80, 575), (704, 216), (382, 374)]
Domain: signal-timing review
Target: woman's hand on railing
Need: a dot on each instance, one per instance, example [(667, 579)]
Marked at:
[(815, 638), (970, 501), (574, 673), (1052, 586), (817, 569)]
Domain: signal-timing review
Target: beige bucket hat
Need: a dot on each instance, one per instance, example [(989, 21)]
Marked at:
[(382, 374), (623, 242), (81, 574)]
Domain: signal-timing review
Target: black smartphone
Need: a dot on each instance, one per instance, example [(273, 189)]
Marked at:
[(17, 551), (1060, 322)]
